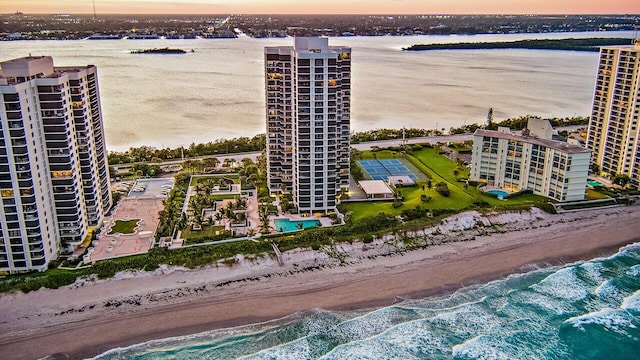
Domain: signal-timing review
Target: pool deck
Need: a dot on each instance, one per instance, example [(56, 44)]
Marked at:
[(324, 221), (601, 180), (491, 187)]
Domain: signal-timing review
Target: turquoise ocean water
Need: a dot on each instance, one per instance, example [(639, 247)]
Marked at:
[(585, 310)]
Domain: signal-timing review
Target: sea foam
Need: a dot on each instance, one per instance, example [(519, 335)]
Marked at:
[(554, 313)]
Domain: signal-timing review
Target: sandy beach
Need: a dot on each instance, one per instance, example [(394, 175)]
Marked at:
[(92, 316)]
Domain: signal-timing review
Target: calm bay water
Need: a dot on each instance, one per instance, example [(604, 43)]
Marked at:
[(586, 310), (218, 91)]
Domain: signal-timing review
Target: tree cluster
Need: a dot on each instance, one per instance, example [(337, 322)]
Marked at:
[(218, 147)]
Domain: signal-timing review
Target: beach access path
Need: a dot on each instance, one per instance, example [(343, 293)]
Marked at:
[(90, 317)]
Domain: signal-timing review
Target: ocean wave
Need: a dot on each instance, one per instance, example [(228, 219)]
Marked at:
[(582, 310), (632, 302), (563, 284), (480, 348), (402, 345), (605, 334), (208, 340), (592, 272), (609, 318)]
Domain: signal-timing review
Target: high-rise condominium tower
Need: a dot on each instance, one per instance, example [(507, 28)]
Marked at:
[(54, 179), (308, 92), (613, 129)]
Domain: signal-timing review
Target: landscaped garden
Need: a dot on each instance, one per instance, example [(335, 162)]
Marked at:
[(124, 227), (215, 179), (206, 234), (439, 171)]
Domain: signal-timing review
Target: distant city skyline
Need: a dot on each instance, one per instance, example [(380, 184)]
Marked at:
[(321, 7)]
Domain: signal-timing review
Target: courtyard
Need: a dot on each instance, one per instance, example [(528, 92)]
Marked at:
[(139, 211)]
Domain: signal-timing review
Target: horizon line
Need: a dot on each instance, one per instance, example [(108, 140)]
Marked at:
[(333, 14)]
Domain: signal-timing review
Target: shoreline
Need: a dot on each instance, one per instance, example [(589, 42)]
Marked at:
[(33, 325)]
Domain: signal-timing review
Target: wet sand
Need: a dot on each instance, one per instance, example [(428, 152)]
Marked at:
[(85, 320)]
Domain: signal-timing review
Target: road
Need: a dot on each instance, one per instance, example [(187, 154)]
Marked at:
[(237, 157), (420, 140)]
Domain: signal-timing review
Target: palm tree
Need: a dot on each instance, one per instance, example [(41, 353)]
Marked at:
[(246, 162), (263, 215), (210, 163), (218, 216), (241, 217)]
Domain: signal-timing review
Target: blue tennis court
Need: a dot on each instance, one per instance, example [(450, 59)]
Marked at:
[(382, 169)]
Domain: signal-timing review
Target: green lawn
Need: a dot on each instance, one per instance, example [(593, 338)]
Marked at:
[(124, 227), (595, 195), (207, 231), (445, 168), (441, 165), (457, 200), (202, 178), (382, 154), (222, 197), (439, 168)]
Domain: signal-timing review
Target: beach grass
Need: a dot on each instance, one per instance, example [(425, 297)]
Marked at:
[(124, 227), (50, 279)]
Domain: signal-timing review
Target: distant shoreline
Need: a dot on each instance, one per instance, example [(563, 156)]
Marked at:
[(572, 44), (75, 320)]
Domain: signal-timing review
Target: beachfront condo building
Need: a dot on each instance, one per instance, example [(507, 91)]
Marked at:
[(614, 133), (308, 97), (54, 180), (531, 161)]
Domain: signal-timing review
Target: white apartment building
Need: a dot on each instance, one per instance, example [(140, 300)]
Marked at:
[(614, 133), (54, 181), (308, 93), (547, 167)]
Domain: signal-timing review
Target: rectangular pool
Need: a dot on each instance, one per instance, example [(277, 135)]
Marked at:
[(285, 225), (594, 183)]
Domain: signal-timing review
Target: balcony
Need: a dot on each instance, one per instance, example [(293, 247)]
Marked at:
[(52, 106), (20, 150), (58, 152), (14, 115), (54, 89), (17, 125), (50, 97)]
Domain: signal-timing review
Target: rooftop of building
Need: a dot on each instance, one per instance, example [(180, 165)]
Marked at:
[(309, 45), (553, 144), (375, 187), (633, 45), (18, 70)]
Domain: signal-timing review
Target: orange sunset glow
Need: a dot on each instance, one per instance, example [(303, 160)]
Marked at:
[(323, 6)]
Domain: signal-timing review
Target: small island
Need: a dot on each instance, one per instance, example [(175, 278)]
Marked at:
[(165, 50), (588, 44)]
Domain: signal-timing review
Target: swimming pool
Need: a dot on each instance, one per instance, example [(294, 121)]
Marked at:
[(501, 194), (285, 225), (594, 183)]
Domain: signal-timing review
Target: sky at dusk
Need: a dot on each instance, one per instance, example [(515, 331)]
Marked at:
[(324, 6)]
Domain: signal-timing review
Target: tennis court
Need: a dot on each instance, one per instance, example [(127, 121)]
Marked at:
[(382, 169)]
